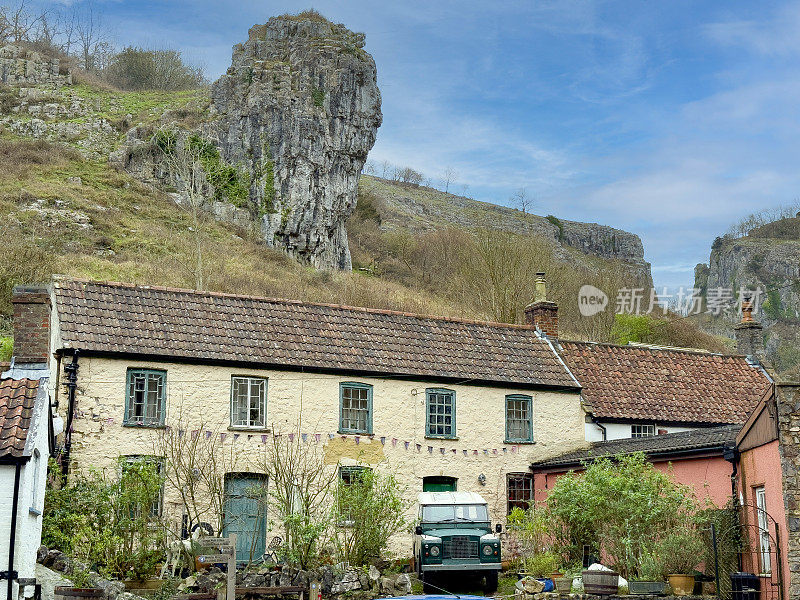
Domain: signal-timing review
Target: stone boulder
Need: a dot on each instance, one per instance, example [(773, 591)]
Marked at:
[(298, 110)]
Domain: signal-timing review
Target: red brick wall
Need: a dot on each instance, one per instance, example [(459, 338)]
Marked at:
[(31, 324), (544, 316)]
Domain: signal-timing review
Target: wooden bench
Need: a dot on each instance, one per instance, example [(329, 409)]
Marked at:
[(252, 592)]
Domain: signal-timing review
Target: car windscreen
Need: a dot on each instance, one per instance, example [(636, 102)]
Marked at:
[(454, 513)]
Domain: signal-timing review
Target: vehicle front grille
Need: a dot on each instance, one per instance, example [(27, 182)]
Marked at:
[(460, 546)]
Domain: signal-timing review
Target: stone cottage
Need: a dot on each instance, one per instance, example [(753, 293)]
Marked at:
[(442, 403)]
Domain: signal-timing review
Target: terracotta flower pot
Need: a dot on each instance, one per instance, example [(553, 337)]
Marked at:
[(682, 585)]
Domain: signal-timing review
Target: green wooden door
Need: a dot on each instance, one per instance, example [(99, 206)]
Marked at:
[(439, 484), (246, 514)]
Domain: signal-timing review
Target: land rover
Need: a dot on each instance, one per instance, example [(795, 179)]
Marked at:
[(455, 534)]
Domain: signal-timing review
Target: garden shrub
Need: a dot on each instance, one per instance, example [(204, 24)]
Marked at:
[(621, 506), (110, 523), (369, 510)]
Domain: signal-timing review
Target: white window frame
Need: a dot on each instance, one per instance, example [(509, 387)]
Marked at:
[(260, 404), (645, 430), (762, 517)]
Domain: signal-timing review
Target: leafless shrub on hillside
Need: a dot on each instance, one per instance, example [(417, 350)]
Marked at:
[(522, 200), (449, 176), (743, 227)]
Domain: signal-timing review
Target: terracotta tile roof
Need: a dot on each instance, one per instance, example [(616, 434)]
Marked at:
[(17, 399), (664, 385), (700, 440), (114, 317)]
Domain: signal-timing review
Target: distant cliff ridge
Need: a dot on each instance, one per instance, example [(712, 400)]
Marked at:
[(420, 209)]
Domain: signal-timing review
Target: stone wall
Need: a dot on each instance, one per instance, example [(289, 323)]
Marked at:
[(22, 67), (788, 400)]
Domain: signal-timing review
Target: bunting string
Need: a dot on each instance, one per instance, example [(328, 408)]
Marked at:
[(326, 437)]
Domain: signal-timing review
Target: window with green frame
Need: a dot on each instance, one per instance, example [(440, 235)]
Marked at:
[(145, 397), (519, 418), (440, 413), (355, 408)]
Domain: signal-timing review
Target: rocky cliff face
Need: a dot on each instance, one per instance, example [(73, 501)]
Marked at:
[(299, 109), (284, 141), (769, 259)]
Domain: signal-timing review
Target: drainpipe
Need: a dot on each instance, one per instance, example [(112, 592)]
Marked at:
[(599, 425), (71, 370), (731, 455), (13, 537)]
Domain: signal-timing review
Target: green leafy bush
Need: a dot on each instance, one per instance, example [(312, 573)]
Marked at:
[(111, 523), (632, 328), (229, 182), (619, 506), (541, 565), (6, 348), (369, 510)]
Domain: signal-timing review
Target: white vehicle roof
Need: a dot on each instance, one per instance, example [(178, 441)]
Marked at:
[(449, 498)]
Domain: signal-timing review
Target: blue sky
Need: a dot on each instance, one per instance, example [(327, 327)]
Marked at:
[(668, 118)]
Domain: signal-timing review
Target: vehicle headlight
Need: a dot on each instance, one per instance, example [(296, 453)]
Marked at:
[(435, 550), (487, 550)]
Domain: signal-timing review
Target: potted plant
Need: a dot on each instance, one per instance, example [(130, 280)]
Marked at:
[(651, 577), (541, 567), (600, 582), (680, 551), (81, 588), (563, 582)]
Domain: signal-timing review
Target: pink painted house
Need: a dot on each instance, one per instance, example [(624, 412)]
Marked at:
[(695, 458), (759, 485)]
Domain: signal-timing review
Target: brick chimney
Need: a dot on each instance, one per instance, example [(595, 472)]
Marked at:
[(31, 324), (541, 313), (749, 333)]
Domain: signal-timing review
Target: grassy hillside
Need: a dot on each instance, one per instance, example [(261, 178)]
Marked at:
[(63, 209)]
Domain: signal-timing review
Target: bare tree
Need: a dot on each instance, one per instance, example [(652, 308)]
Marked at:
[(183, 160), (409, 175), (369, 168), (450, 175), (464, 188), (522, 200), (300, 485), (91, 35), (17, 22), (386, 167), (195, 464)]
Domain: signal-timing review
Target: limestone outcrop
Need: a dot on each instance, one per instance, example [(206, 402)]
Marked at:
[(767, 259), (22, 67), (299, 110)]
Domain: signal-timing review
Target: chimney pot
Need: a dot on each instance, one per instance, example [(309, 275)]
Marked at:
[(31, 324), (541, 313), (749, 332)]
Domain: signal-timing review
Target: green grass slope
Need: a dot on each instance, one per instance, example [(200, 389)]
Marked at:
[(64, 209)]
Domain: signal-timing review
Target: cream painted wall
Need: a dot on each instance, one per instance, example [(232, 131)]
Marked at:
[(201, 395)]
